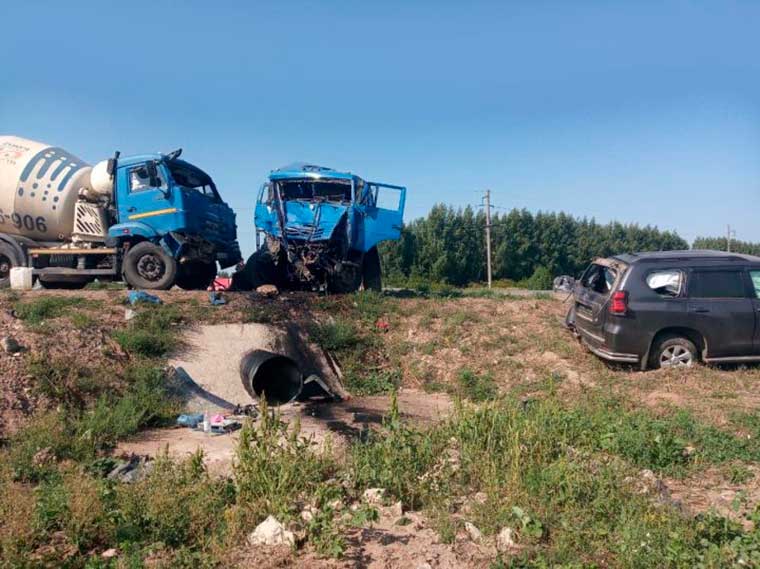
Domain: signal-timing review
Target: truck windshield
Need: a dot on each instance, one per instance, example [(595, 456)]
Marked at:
[(316, 190), (192, 178)]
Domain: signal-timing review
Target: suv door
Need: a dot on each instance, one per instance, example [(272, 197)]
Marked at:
[(721, 310), (592, 292)]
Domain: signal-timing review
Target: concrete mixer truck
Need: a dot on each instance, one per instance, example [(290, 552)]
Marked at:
[(153, 220)]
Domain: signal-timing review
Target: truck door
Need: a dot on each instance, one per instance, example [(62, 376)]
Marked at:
[(721, 310), (383, 213), (145, 193)]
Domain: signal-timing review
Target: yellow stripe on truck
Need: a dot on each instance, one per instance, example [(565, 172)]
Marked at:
[(152, 213)]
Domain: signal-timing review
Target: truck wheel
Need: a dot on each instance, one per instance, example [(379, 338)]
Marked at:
[(674, 351), (371, 272), (148, 266), (196, 275), (347, 279), (259, 269), (8, 260)]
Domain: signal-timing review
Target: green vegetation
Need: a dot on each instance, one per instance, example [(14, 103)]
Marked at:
[(719, 244), (35, 312), (261, 314), (550, 473), (476, 387), (152, 332), (447, 246)]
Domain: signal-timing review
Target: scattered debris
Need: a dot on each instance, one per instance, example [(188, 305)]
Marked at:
[(216, 298), (374, 495), (191, 420), (135, 296), (382, 324), (109, 553), (271, 532), (505, 540), (129, 314), (11, 345), (308, 513), (473, 532), (246, 411), (268, 290), (132, 470)]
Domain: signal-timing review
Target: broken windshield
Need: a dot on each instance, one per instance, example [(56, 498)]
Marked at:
[(316, 190), (192, 178)]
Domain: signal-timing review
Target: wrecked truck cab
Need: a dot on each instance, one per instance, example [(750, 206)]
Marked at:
[(321, 229)]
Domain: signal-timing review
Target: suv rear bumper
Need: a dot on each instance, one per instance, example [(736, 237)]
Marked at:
[(610, 356)]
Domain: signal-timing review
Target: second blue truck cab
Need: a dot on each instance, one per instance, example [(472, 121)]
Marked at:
[(321, 229)]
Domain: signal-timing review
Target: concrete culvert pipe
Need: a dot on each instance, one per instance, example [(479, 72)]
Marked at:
[(274, 376)]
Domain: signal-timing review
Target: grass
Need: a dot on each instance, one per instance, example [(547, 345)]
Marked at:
[(63, 381), (35, 312), (76, 433), (558, 475), (476, 387), (550, 476), (339, 335), (561, 473), (152, 333), (260, 314)]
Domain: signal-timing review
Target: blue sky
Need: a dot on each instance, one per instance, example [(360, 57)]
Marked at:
[(643, 112)]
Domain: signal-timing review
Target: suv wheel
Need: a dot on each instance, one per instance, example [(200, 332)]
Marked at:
[(674, 351)]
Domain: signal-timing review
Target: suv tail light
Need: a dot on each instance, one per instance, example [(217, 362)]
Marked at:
[(619, 304)]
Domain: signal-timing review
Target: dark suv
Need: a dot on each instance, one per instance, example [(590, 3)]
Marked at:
[(669, 308)]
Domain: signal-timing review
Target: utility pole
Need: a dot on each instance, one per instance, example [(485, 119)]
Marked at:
[(488, 235), (729, 232)]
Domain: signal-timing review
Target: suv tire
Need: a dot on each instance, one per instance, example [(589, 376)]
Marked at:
[(674, 351)]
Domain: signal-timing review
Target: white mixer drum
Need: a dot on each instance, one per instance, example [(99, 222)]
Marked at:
[(38, 188)]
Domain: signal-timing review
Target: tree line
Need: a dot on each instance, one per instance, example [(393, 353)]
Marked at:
[(719, 244), (448, 246)]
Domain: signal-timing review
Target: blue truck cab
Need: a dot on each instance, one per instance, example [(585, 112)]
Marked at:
[(321, 229), (169, 222)]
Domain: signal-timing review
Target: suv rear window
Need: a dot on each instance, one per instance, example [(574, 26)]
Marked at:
[(716, 284), (599, 278)]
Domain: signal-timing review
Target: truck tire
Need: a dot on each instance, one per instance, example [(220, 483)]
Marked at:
[(371, 271), (148, 266), (259, 269), (8, 260), (345, 280), (196, 275)]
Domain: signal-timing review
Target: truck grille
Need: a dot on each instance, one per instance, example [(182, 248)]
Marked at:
[(307, 232)]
